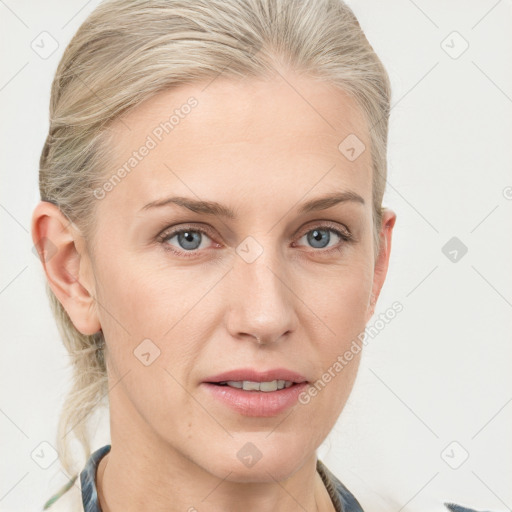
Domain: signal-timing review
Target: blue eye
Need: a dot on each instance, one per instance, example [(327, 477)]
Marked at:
[(188, 239), (319, 238)]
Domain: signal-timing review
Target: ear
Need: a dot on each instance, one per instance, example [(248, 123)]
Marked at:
[(382, 261), (66, 264)]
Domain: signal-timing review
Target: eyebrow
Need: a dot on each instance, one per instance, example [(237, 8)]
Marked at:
[(217, 209)]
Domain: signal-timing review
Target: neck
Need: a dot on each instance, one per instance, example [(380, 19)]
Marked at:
[(124, 484)]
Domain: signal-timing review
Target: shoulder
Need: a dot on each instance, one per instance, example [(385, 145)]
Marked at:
[(345, 501), (79, 493), (67, 499)]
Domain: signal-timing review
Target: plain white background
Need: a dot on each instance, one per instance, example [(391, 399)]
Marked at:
[(430, 415)]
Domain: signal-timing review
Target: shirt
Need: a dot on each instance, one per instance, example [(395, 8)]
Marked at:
[(80, 494)]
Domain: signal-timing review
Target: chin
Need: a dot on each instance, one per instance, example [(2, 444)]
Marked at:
[(251, 466)]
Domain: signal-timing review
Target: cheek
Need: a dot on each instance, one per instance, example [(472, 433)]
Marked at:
[(141, 300), (150, 314), (342, 308), (340, 298)]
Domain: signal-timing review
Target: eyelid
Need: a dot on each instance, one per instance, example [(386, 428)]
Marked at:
[(305, 229), (323, 224), (171, 231)]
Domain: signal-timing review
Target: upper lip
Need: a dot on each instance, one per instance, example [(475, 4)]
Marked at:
[(254, 375)]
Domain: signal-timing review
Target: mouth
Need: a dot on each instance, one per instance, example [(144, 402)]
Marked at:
[(248, 385), (250, 379), (250, 392)]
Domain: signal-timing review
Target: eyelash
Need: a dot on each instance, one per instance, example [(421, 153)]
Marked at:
[(167, 235)]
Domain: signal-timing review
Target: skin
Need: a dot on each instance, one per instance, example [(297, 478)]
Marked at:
[(262, 149)]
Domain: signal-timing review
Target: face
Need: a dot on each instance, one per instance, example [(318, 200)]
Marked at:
[(185, 294)]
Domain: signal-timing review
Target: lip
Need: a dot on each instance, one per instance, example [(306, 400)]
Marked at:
[(254, 375), (261, 404)]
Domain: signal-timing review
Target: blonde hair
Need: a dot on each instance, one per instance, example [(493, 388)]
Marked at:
[(128, 50)]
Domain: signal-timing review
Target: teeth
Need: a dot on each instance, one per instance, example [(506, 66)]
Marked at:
[(248, 385), (234, 384), (251, 386)]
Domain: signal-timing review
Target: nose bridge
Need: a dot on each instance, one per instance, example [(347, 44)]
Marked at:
[(262, 304)]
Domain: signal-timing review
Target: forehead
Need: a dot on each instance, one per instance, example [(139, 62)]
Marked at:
[(247, 139)]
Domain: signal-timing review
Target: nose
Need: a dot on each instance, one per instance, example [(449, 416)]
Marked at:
[(262, 303)]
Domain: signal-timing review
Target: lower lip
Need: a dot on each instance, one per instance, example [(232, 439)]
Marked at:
[(257, 403)]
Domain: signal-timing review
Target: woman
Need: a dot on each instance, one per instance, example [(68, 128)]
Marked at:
[(212, 232)]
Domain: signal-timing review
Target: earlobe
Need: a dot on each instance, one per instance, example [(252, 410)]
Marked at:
[(382, 262), (56, 240)]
